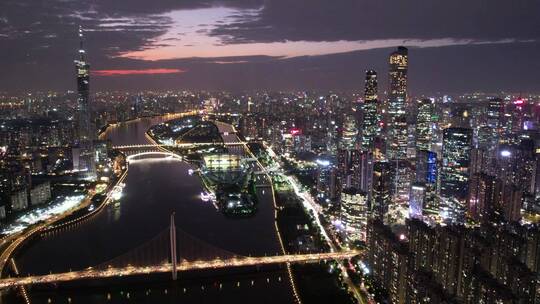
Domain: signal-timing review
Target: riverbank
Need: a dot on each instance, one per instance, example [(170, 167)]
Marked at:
[(154, 189)]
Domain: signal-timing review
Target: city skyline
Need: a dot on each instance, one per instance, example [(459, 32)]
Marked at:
[(270, 151), (198, 45)]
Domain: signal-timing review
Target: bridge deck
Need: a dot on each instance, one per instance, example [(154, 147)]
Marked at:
[(91, 273)]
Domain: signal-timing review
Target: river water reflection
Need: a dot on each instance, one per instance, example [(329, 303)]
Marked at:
[(154, 189)]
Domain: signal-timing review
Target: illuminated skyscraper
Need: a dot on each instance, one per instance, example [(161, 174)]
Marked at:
[(426, 167), (495, 112), (426, 175), (84, 159), (354, 213), (416, 201), (349, 133), (424, 130), (85, 132), (455, 171), (370, 92), (381, 189), (370, 116), (362, 171), (397, 98), (327, 185)]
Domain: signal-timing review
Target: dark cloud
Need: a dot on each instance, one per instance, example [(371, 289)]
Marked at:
[(323, 20), (39, 41), (122, 7)]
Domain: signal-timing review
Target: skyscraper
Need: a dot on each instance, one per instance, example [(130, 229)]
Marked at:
[(424, 131), (354, 213), (327, 185), (85, 132), (370, 116), (84, 159), (482, 194), (381, 189), (397, 98), (455, 171), (349, 133), (426, 175), (362, 171), (426, 167), (417, 199)]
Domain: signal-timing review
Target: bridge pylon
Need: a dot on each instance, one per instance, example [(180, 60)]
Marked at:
[(174, 259)]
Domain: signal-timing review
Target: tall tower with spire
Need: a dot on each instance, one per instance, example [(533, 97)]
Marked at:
[(83, 150), (84, 129)]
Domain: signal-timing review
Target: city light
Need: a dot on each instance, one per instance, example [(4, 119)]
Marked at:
[(519, 102), (392, 174), (60, 206), (296, 132), (322, 162)]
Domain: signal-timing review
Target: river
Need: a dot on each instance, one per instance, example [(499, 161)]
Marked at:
[(154, 189)]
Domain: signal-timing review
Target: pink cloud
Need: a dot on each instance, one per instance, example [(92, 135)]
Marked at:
[(106, 73)]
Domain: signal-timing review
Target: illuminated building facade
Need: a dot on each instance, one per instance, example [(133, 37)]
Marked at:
[(344, 167), (515, 165), (417, 200), (472, 265), (327, 181), (495, 112), (370, 115), (349, 133), (388, 259), (402, 179), (381, 189), (424, 122), (397, 103), (226, 169), (362, 171), (426, 167), (354, 213), (455, 171), (427, 175)]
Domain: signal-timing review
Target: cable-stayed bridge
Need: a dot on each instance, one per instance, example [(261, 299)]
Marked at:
[(171, 251)]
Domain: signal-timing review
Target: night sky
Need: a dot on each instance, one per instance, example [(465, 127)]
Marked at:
[(455, 45)]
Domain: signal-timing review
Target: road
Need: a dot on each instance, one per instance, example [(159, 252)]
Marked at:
[(15, 240), (228, 133), (309, 204)]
